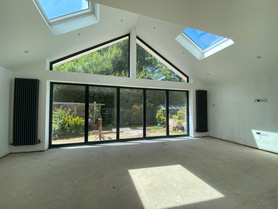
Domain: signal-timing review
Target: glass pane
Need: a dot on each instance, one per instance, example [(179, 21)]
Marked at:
[(131, 113), (150, 67), (177, 113), (155, 113), (102, 113), (57, 8), (111, 60), (203, 39), (68, 114)]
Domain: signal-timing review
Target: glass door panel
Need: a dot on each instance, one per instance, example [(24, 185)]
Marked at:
[(178, 113), (68, 115), (155, 113), (102, 114), (131, 113)]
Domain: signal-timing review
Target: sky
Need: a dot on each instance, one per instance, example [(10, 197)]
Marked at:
[(55, 8), (203, 39)]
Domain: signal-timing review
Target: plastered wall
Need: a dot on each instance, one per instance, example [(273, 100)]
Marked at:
[(236, 115), (5, 83)]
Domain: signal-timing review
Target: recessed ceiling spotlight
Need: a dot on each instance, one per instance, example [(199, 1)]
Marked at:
[(259, 57), (26, 52)]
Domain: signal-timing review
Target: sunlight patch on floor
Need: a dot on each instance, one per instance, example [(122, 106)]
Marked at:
[(171, 186)]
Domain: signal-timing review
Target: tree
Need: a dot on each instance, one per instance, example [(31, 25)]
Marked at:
[(111, 60), (149, 67)]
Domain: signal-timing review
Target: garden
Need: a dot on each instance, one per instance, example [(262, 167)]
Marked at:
[(69, 126)]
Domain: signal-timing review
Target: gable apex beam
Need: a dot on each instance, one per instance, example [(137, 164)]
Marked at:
[(132, 52)]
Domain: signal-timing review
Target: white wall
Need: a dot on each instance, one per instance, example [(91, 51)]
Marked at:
[(5, 83), (39, 71), (235, 116)]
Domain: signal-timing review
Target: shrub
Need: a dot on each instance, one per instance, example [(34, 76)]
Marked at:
[(133, 116), (180, 122), (160, 117), (65, 123), (181, 114), (175, 116), (136, 114)]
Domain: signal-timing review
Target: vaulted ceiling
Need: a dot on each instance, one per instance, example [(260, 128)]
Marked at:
[(251, 24)]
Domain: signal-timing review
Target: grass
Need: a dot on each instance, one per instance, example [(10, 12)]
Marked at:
[(157, 128), (177, 132)]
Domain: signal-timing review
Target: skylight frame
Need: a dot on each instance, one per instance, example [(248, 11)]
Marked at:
[(72, 21), (199, 53), (65, 16)]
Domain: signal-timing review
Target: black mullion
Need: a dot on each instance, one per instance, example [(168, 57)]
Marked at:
[(86, 113), (144, 113), (167, 113), (129, 56), (50, 114), (118, 115), (118, 102), (187, 113)]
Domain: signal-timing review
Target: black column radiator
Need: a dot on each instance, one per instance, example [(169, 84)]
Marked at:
[(26, 103), (201, 111)]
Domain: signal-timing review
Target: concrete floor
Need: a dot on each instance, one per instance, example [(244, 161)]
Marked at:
[(165, 173)]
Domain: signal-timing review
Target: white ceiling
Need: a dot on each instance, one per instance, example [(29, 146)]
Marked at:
[(251, 24)]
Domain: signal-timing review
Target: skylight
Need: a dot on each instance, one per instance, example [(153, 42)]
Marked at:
[(63, 16), (202, 44), (57, 8), (203, 39)]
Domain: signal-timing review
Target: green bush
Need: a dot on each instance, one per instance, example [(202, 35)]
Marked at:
[(181, 114), (136, 114), (125, 119), (133, 116), (160, 117), (180, 122), (65, 123)]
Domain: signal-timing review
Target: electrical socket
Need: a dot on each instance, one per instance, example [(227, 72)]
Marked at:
[(262, 134), (260, 100)]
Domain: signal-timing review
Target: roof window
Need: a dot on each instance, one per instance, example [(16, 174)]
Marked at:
[(202, 44), (64, 16)]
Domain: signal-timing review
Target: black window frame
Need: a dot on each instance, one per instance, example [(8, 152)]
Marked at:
[(94, 47), (86, 142), (115, 39), (162, 57)]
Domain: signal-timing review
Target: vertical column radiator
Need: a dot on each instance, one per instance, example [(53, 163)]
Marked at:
[(26, 103), (201, 111)]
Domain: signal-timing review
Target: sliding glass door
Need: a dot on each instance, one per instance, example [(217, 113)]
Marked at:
[(102, 123), (178, 113), (131, 113), (68, 115), (155, 113), (87, 113)]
